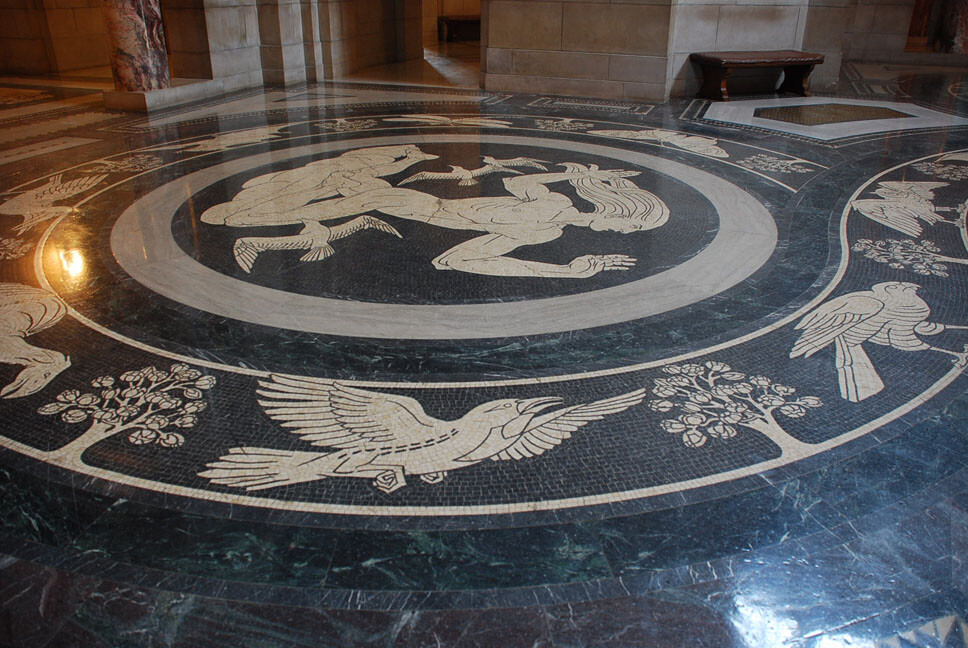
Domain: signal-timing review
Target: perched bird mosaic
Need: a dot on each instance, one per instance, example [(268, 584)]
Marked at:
[(387, 437), (889, 314), (36, 205), (314, 237), (903, 206), (468, 177), (23, 312)]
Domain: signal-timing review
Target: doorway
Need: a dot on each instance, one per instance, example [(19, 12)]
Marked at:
[(451, 49)]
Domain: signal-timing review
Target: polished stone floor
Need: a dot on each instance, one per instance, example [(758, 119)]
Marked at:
[(363, 365)]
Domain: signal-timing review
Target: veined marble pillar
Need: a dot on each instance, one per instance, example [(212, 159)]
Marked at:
[(139, 59)]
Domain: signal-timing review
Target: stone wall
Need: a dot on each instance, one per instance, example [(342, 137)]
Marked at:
[(879, 29), (24, 37), (186, 32), (233, 42), (78, 38), (361, 33), (430, 9), (639, 49), (602, 49), (282, 51), (878, 33), (825, 32), (41, 36), (434, 8)]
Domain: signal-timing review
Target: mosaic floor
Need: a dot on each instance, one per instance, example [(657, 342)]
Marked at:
[(373, 365)]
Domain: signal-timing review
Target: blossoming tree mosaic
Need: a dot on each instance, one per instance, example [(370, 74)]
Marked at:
[(922, 257), (714, 400), (149, 405)]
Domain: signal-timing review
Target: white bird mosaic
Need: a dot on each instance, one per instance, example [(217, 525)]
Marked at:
[(314, 237), (386, 437), (468, 177), (889, 314), (36, 205), (903, 205)]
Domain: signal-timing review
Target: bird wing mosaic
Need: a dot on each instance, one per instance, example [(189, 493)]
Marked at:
[(385, 438), (889, 314), (903, 206), (36, 205)]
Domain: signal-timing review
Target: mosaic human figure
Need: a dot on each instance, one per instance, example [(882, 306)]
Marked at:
[(24, 311), (532, 214)]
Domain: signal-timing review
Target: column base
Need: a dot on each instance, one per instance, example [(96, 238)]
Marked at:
[(182, 91)]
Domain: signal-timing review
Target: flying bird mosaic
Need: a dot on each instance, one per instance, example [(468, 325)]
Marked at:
[(387, 438), (36, 205), (904, 206)]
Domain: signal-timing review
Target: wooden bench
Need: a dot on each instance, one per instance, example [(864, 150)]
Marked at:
[(453, 28), (716, 67)]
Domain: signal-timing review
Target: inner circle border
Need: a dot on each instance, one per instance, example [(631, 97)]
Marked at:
[(144, 247)]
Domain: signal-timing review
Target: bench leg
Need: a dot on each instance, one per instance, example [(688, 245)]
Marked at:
[(795, 79), (714, 83)]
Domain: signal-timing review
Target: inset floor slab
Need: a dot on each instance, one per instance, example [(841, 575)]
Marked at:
[(825, 118), (832, 113)]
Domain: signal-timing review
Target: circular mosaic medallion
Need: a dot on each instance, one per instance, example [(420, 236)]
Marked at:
[(422, 323)]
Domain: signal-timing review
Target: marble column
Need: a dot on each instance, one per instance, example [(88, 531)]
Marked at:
[(139, 58)]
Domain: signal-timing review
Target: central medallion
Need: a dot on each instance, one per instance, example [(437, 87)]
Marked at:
[(508, 236), (445, 224)]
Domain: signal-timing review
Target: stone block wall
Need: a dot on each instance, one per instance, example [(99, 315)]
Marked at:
[(361, 33), (825, 31), (234, 42), (878, 33), (430, 9), (282, 52), (460, 7), (42, 36), (602, 49), (24, 37), (639, 49), (186, 32), (409, 30), (78, 38), (879, 29)]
